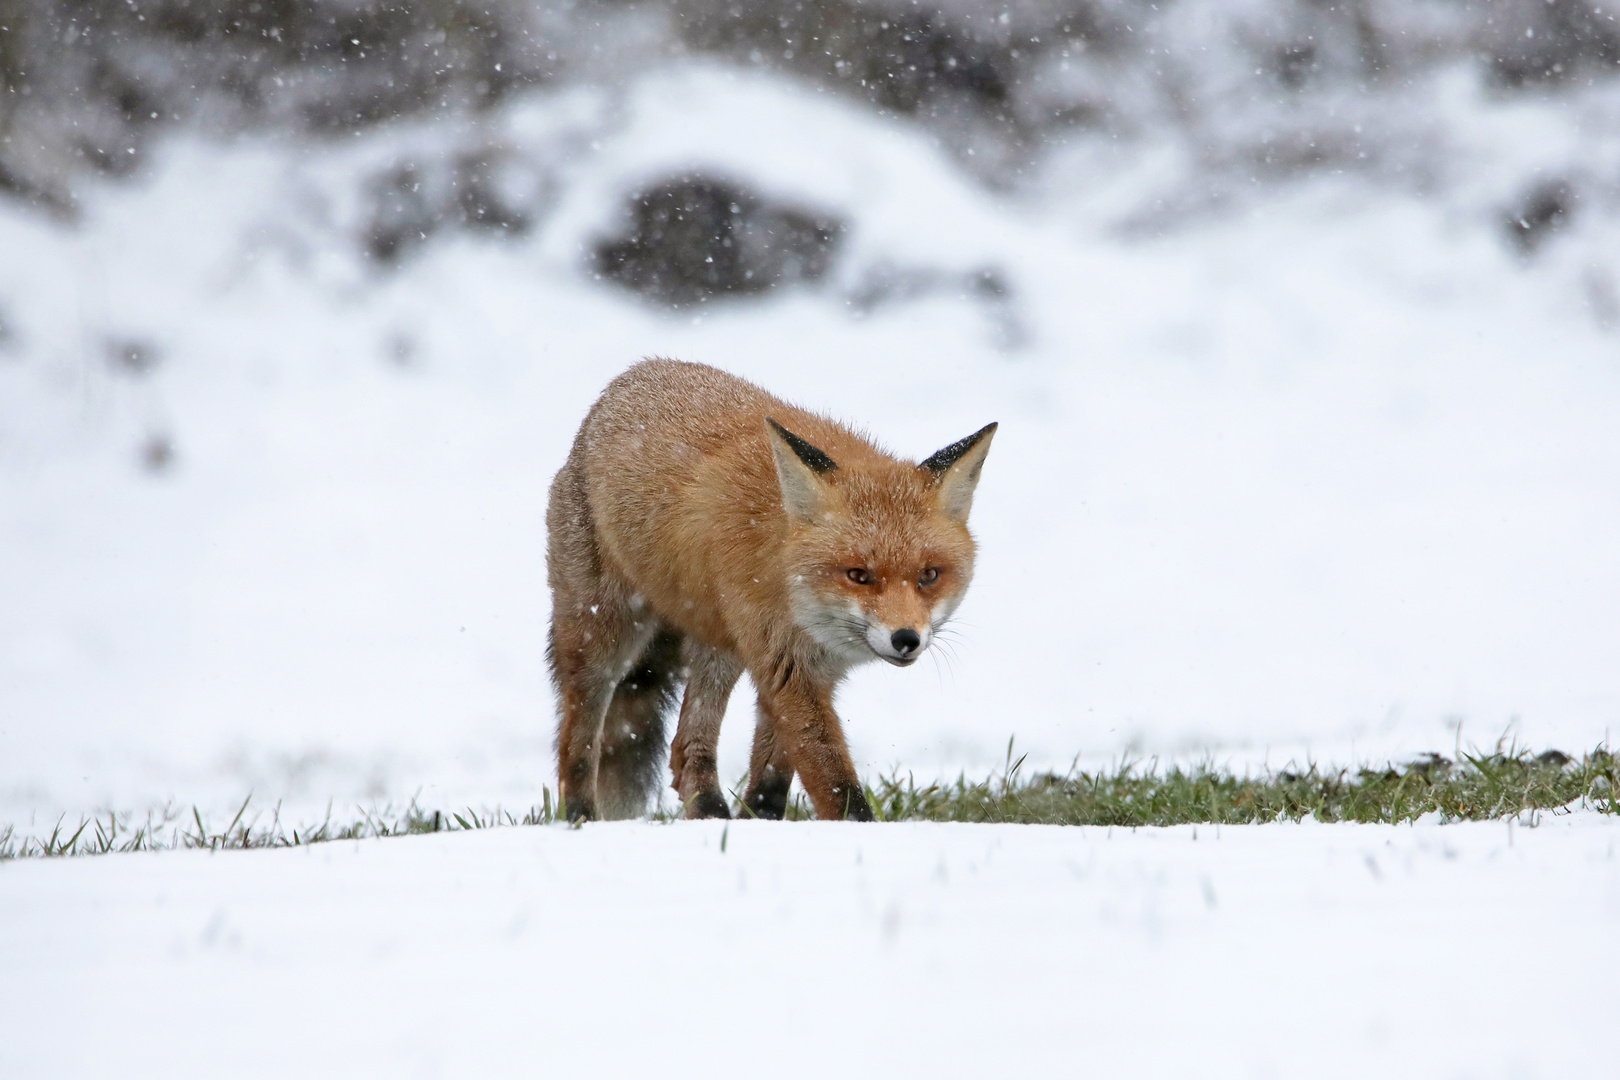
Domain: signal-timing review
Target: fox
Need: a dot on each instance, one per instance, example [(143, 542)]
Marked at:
[(701, 528)]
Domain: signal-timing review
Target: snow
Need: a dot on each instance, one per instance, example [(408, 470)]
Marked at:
[(1333, 473), (632, 949)]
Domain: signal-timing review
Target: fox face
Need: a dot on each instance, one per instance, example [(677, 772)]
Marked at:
[(879, 553)]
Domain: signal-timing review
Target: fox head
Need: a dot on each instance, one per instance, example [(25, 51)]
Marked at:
[(879, 552)]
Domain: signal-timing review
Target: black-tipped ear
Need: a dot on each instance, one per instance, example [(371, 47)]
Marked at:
[(939, 462), (956, 471), (799, 469), (810, 455)]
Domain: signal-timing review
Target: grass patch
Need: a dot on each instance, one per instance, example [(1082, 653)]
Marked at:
[(172, 830), (1508, 780), (1479, 786)]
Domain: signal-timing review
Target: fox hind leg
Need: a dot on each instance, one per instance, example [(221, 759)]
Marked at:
[(599, 630), (711, 676), (632, 742), (592, 656), (770, 771), (598, 633)]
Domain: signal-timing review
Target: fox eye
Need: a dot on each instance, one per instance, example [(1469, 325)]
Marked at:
[(928, 576), (859, 575)]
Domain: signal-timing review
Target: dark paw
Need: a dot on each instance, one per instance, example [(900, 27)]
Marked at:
[(856, 808), (769, 800), (580, 810), (708, 804)]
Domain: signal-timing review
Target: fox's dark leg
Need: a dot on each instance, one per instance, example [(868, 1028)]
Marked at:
[(810, 731), (633, 743), (594, 646), (711, 675), (598, 630), (770, 771)]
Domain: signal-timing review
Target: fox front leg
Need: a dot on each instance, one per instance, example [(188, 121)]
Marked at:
[(810, 731)]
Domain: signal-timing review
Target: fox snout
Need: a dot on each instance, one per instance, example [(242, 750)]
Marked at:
[(900, 647)]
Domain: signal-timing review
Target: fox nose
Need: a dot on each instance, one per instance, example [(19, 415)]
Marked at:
[(905, 641)]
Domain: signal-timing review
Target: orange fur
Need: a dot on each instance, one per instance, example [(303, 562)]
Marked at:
[(681, 513)]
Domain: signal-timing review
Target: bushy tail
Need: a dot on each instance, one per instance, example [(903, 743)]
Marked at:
[(633, 742)]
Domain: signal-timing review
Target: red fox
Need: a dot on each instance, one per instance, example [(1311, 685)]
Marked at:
[(702, 528)]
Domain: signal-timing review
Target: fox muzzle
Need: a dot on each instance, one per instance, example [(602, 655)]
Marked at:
[(899, 647)]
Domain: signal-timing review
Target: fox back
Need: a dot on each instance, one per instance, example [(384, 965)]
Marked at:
[(700, 517)]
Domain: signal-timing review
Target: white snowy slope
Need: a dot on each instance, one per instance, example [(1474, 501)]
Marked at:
[(1476, 950), (1325, 476)]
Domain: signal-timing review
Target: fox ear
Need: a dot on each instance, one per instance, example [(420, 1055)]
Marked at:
[(799, 469), (956, 472)]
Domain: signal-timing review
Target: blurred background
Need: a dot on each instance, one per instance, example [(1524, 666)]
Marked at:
[(1301, 320)]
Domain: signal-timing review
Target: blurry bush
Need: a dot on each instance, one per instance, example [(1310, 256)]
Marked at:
[(84, 83), (486, 190)]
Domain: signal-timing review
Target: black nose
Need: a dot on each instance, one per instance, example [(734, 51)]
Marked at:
[(905, 642)]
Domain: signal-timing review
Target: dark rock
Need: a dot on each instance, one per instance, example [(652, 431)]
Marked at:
[(1542, 212), (400, 348), (694, 237), (402, 214), (132, 356), (157, 453), (499, 193), (1295, 63)]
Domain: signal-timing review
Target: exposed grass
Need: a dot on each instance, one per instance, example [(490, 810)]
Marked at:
[(172, 830), (1478, 786)]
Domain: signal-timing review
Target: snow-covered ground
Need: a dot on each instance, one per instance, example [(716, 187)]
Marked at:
[(1476, 950), (1329, 473)]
